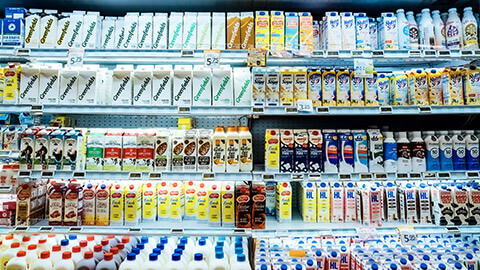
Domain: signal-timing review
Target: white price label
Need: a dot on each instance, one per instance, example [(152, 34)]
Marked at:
[(367, 233), (363, 67), (304, 105), (408, 235), (212, 58), (75, 57)]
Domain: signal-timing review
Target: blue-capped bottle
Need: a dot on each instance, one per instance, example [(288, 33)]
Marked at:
[(471, 146), (432, 151), (446, 151)]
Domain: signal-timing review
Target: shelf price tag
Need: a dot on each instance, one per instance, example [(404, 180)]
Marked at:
[(367, 233), (257, 57), (211, 58), (304, 105), (408, 235), (75, 57), (363, 67)]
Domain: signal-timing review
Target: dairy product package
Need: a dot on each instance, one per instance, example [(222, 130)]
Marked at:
[(242, 83), (202, 86), (443, 205), (345, 151), (258, 86), (391, 210), (287, 150), (330, 142), (460, 200), (277, 30), (452, 85), (191, 200), (383, 90), (175, 30), (233, 30), (182, 85), (162, 85), (350, 202), (333, 31), (142, 85), (308, 201), (108, 33), (258, 205), (471, 84), (55, 150), (113, 150), (316, 36), (272, 87), (190, 151), (262, 30), (399, 89), (372, 206), (348, 31), (177, 139), (122, 85), (272, 150), (337, 203), (373, 28), (91, 36), (160, 31), (387, 32), (163, 152), (474, 205), (315, 150), (360, 151), (314, 87), (95, 145), (32, 28), (299, 84), (408, 204), (29, 85), (329, 88), (129, 150), (247, 31), (73, 37), (300, 147), (87, 85), (73, 155), (11, 84), (49, 85), (357, 91), (119, 32), (362, 32), (343, 87), (227, 196), (218, 31), (270, 193), (68, 86), (62, 30), (222, 86), (323, 202), (204, 150), (41, 147), (145, 31), (190, 30), (204, 30), (48, 29), (371, 91), (291, 31), (424, 201), (375, 150), (418, 85), (286, 86), (130, 40), (243, 205), (284, 202)]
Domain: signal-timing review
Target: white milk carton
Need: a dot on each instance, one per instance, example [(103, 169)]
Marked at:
[(63, 25), (160, 31), (48, 29), (387, 32), (108, 33), (408, 204), (202, 86), (68, 86), (163, 153), (348, 31), (443, 209), (424, 201), (259, 86), (222, 86), (113, 150), (105, 83), (145, 31), (175, 30), (142, 85), (190, 30), (362, 31), (119, 32), (218, 31), (74, 36), (373, 28), (29, 85), (323, 202), (49, 84), (91, 37), (333, 31), (316, 36), (242, 83), (122, 85), (32, 28), (391, 202), (204, 30), (337, 203), (474, 205), (182, 85), (87, 85), (375, 149), (162, 85), (130, 40), (350, 203), (460, 199)]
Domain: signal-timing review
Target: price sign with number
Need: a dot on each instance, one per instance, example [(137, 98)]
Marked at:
[(212, 58), (407, 235), (75, 58), (304, 105), (367, 233)]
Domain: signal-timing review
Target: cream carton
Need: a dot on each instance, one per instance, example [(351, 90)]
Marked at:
[(300, 84), (272, 150), (122, 85), (375, 150), (306, 31), (286, 87), (108, 33), (362, 31), (190, 30), (471, 84), (204, 150), (162, 76), (117, 204), (175, 30), (424, 201), (258, 86), (87, 85), (160, 31), (291, 31), (348, 31), (222, 86), (32, 28), (190, 200), (62, 30), (145, 31), (233, 30), (95, 146), (133, 205), (218, 31), (357, 91), (177, 201), (227, 196), (145, 151), (182, 85), (262, 30), (219, 150), (387, 32), (329, 88), (91, 36), (337, 203), (142, 85), (204, 30), (277, 30), (163, 201), (350, 213), (129, 150), (48, 29), (242, 83), (300, 147), (214, 205), (49, 85), (272, 87), (284, 202), (177, 139), (29, 85), (119, 32), (202, 86), (323, 202), (163, 158), (190, 151), (112, 154), (247, 28), (333, 31), (130, 40), (308, 201)]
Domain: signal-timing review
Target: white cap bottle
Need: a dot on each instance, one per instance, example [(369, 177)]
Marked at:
[(470, 29), (453, 30), (439, 28), (413, 30), (18, 262), (426, 29), (403, 30)]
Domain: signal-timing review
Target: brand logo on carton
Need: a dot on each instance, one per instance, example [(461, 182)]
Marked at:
[(334, 23), (401, 83), (64, 32), (47, 30), (221, 28), (144, 34), (189, 35), (262, 23), (90, 81), (120, 38), (203, 36), (130, 34), (176, 33), (31, 29), (244, 90), (29, 86), (348, 23), (362, 25), (143, 87), (52, 81), (76, 32), (272, 82), (306, 24), (292, 23), (248, 33), (243, 199), (126, 79), (108, 36), (161, 87), (183, 87), (222, 88), (68, 88), (89, 34), (235, 32), (160, 32), (202, 88), (277, 23)]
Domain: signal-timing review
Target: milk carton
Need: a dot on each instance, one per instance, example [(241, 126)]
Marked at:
[(372, 206), (145, 31), (460, 200), (13, 32), (408, 204), (204, 150), (258, 86), (122, 85), (142, 85), (87, 85), (372, 26), (284, 202), (301, 150), (287, 150), (348, 31), (204, 30), (315, 150), (343, 88), (360, 151), (471, 84), (182, 85), (119, 32), (117, 204), (277, 30), (286, 87), (202, 203), (163, 159), (424, 200), (399, 89), (443, 209), (190, 30), (383, 90), (247, 29), (375, 150), (133, 205), (175, 30), (371, 91), (314, 86), (145, 151), (88, 215), (91, 36), (222, 86), (452, 85), (474, 205), (162, 76), (190, 151), (357, 91), (262, 30), (345, 151), (308, 201), (11, 84), (323, 202), (218, 31), (258, 205), (337, 203), (391, 202), (243, 207), (330, 141), (329, 88), (108, 33), (316, 36), (272, 87), (177, 201), (418, 87), (190, 200), (74, 35), (272, 150), (129, 150), (362, 32), (270, 191), (163, 199), (73, 151), (178, 146), (27, 145), (233, 30), (333, 31), (300, 84), (387, 32), (95, 150), (202, 86), (113, 151), (160, 31), (48, 29), (227, 201), (350, 203), (291, 31), (49, 85), (130, 40), (32, 28), (29, 85), (55, 150), (242, 83)]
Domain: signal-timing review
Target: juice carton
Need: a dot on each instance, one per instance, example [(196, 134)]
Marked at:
[(243, 217), (160, 31), (348, 31), (113, 150), (214, 204), (399, 89), (149, 203), (177, 201), (227, 196), (314, 88), (408, 204), (329, 88), (330, 141), (117, 204), (175, 30), (162, 76), (73, 205), (316, 36), (345, 151), (204, 30), (163, 198), (55, 150), (284, 202), (202, 203), (119, 32), (277, 30), (337, 203), (32, 28), (88, 215), (233, 30), (300, 84), (350, 203), (262, 30), (471, 84), (308, 202), (371, 91), (74, 152), (49, 85), (357, 91), (29, 84), (286, 86), (133, 205), (435, 90), (301, 150), (222, 86), (343, 88), (190, 200), (387, 32), (418, 87), (460, 200), (383, 90), (108, 33), (178, 147), (142, 85), (452, 84), (190, 30), (204, 150), (56, 195), (258, 86), (102, 206), (424, 209), (129, 150), (375, 150), (182, 85), (42, 144), (27, 145), (291, 31), (95, 149), (242, 82), (270, 191), (190, 151), (11, 87), (68, 86), (122, 85), (474, 205), (333, 31), (218, 31), (247, 31), (362, 32), (272, 150), (443, 209), (315, 150)]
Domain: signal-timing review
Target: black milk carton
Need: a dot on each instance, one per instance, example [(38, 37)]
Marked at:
[(315, 150), (301, 150), (42, 138), (287, 155)]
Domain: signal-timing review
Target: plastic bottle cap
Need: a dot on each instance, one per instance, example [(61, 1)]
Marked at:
[(104, 242), (45, 254), (10, 237), (263, 267), (88, 255), (219, 255), (125, 240), (393, 266), (103, 186), (426, 257), (67, 255), (157, 250), (238, 250), (298, 267), (334, 254), (83, 243), (469, 256), (144, 240), (283, 267), (72, 237), (108, 256), (32, 247), (423, 266), (26, 239), (90, 238), (198, 257), (141, 246), (458, 265), (179, 251), (56, 248), (374, 267), (136, 251), (442, 266), (176, 257), (97, 248), (21, 253), (202, 242), (64, 242), (131, 257), (160, 246), (114, 250), (76, 249)]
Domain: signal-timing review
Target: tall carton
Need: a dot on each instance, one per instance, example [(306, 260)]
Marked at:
[(95, 148), (258, 86), (29, 85), (162, 76), (190, 200), (177, 201), (360, 148), (301, 150), (163, 199), (202, 203), (287, 150), (130, 40), (348, 31), (133, 205), (122, 85), (291, 31), (56, 204), (145, 151), (343, 87), (91, 36), (272, 87), (387, 32), (233, 30), (308, 202), (418, 84), (74, 35), (399, 89), (102, 206), (163, 158), (408, 204), (73, 205), (262, 30), (329, 88), (178, 146), (87, 85), (228, 204), (202, 86), (182, 85), (49, 85), (375, 150), (204, 150), (129, 150), (284, 202), (333, 32), (32, 28), (204, 30), (272, 150), (315, 150), (286, 87), (117, 204), (362, 28), (277, 30), (68, 86), (42, 144), (242, 83), (175, 30), (74, 152), (357, 91), (371, 91), (108, 33), (113, 150), (55, 150), (142, 85), (258, 205), (247, 31), (62, 30), (270, 190), (145, 31), (27, 148), (452, 85), (190, 151), (350, 202), (424, 204), (48, 29), (383, 90), (330, 142), (460, 200), (300, 84), (345, 151), (471, 84), (391, 210), (214, 207), (88, 215), (337, 203), (373, 27), (243, 207), (323, 202), (443, 205), (218, 31), (306, 31), (160, 31), (474, 205), (190, 30), (222, 86), (314, 87), (119, 32)]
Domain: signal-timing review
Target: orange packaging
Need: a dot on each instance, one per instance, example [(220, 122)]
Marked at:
[(247, 31), (233, 30), (258, 205)]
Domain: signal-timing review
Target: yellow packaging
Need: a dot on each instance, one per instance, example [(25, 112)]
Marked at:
[(343, 88), (284, 202), (133, 205), (214, 212), (190, 200), (308, 201), (102, 203), (418, 85), (300, 84), (149, 203), (314, 88), (117, 203), (228, 204), (262, 30), (306, 31), (329, 88), (177, 197), (399, 89), (323, 202), (435, 91), (163, 199), (11, 90), (88, 214), (272, 150), (277, 30), (371, 90), (452, 85), (202, 202), (286, 87), (471, 83)]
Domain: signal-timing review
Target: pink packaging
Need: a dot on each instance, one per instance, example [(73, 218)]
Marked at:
[(344, 258), (337, 203), (350, 203), (372, 206)]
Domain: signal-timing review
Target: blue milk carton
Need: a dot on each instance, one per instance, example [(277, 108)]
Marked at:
[(291, 31), (301, 150), (446, 151), (315, 150), (459, 151), (472, 144), (287, 150), (330, 140), (13, 32), (360, 151), (432, 149), (345, 151)]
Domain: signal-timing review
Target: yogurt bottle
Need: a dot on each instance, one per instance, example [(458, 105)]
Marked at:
[(426, 30), (403, 30), (470, 29), (413, 31), (453, 30), (439, 29)]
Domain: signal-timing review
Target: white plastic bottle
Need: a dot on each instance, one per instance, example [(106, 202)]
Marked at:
[(152, 263), (175, 263), (470, 29), (246, 154), (66, 263), (198, 263), (390, 152), (8, 254), (131, 263), (418, 153), (453, 30), (87, 263), (65, 244), (426, 30), (42, 246), (219, 150), (439, 28), (18, 262), (107, 263), (202, 248), (32, 254), (404, 162), (233, 150), (56, 254), (73, 240), (76, 255), (413, 31), (219, 262), (403, 31), (43, 263)]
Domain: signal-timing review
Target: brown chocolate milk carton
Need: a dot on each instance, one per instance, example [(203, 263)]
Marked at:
[(244, 207), (247, 31), (233, 30), (258, 205)]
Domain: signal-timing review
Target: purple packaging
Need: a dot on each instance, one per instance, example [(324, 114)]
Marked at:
[(301, 150), (330, 142), (345, 151), (287, 150), (315, 150)]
